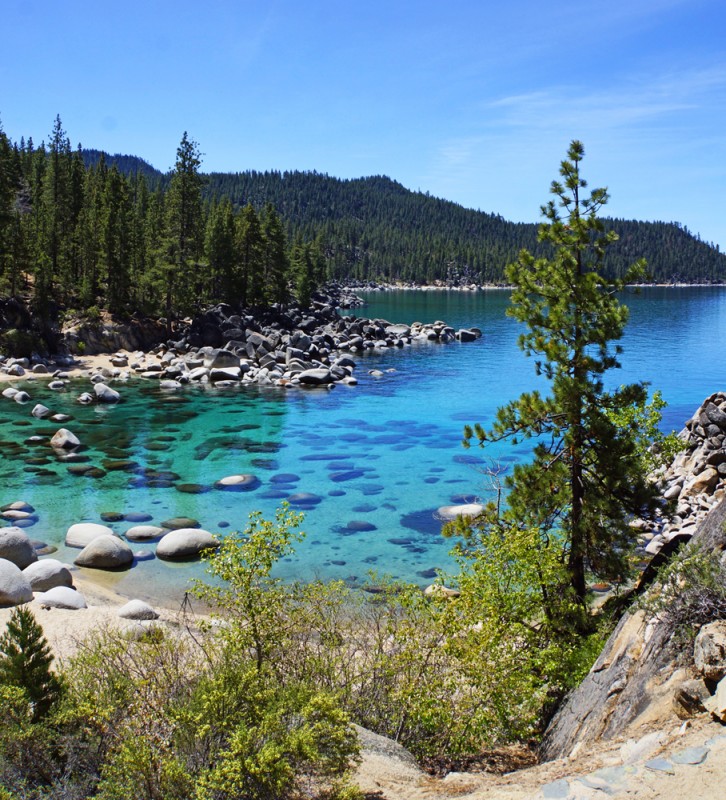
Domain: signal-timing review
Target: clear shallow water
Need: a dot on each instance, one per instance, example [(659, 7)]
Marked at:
[(379, 457)]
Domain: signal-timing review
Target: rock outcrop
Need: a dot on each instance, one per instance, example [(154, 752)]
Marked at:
[(636, 665)]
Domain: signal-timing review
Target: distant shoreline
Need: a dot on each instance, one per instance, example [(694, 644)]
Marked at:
[(485, 287)]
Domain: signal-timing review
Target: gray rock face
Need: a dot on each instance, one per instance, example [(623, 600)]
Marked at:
[(64, 439), (185, 543), (40, 411), (137, 609), (62, 597), (47, 574), (619, 683), (15, 546), (105, 552), (82, 533), (14, 586), (709, 650)]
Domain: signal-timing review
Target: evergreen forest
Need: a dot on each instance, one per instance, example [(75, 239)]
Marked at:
[(83, 229)]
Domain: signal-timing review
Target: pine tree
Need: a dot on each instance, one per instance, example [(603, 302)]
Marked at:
[(275, 262), (585, 479), (185, 229), (25, 660), (248, 258)]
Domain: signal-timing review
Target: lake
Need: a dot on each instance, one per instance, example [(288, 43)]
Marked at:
[(372, 463)]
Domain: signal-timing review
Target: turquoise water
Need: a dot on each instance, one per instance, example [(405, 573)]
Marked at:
[(378, 458)]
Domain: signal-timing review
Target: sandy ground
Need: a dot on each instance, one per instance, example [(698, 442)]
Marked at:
[(82, 367)]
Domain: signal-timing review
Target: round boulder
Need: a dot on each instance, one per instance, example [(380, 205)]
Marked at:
[(62, 597), (105, 552), (145, 533), (83, 533), (185, 543), (15, 546), (47, 574), (14, 586), (137, 609)]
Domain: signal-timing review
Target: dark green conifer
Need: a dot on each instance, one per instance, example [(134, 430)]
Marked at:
[(25, 662), (586, 479)]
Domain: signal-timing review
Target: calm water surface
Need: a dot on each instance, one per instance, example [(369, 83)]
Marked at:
[(378, 459)]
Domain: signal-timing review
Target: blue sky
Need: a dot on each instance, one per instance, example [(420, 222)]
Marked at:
[(472, 101)]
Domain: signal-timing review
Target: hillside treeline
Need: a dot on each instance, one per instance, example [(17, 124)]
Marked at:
[(81, 229), (74, 235)]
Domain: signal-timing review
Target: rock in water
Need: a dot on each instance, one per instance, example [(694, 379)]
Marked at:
[(63, 438), (185, 543), (105, 552), (82, 533), (104, 394)]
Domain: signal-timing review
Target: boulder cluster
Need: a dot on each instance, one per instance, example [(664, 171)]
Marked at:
[(284, 348), (695, 481), (24, 577)]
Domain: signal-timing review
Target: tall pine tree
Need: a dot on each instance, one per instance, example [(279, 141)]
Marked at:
[(585, 480)]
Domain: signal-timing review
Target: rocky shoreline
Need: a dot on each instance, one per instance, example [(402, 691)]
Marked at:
[(286, 347)]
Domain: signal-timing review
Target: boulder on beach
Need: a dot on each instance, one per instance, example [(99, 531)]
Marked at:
[(16, 547), (105, 552), (62, 597), (185, 543), (137, 609), (14, 586), (64, 439), (83, 533), (47, 574)]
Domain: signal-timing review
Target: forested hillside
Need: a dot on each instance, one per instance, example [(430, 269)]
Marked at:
[(375, 228), (83, 229)]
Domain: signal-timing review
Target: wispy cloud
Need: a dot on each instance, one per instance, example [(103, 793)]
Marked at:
[(635, 101)]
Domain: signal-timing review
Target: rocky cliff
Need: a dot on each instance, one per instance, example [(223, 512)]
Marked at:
[(641, 663)]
